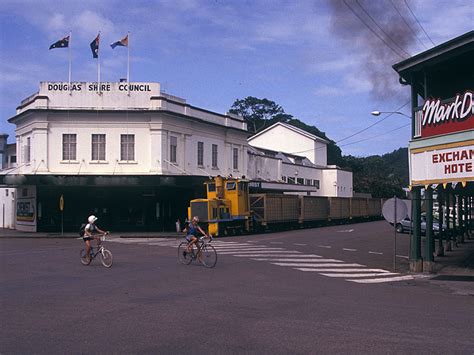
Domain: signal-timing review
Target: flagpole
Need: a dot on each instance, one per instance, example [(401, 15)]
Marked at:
[(69, 45), (98, 64), (128, 63)]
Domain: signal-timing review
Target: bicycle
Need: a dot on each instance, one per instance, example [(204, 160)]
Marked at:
[(201, 251), (105, 255)]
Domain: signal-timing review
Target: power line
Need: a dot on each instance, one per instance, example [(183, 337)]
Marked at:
[(373, 124), (371, 29), (405, 1), (377, 136), (356, 133), (381, 29), (408, 25)]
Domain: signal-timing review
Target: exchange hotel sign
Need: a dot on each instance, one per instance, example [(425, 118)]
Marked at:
[(446, 162)]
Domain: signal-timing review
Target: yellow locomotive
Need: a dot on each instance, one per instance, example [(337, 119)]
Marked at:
[(230, 209), (226, 209)]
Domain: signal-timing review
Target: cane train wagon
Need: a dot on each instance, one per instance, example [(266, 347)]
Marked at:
[(230, 209)]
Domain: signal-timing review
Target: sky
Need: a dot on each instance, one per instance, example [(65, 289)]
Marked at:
[(327, 63)]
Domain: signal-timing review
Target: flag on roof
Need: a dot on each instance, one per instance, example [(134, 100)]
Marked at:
[(95, 46), (123, 42), (62, 43)]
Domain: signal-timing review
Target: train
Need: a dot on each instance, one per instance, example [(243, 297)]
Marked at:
[(230, 209)]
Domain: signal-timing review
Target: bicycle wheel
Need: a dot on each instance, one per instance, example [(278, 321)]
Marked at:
[(183, 256), (84, 260), (106, 258), (208, 256)]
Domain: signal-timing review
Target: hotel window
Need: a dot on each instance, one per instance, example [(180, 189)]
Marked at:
[(235, 158), (98, 147), (69, 146), (214, 155), (28, 150), (173, 148), (127, 147), (200, 151)]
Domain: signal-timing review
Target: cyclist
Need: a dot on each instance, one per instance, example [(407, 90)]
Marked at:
[(192, 231), (90, 233)]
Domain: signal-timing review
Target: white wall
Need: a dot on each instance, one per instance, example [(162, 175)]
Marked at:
[(7, 207), (282, 139), (152, 140), (337, 183)]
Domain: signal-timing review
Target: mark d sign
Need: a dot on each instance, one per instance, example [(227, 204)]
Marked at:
[(438, 117)]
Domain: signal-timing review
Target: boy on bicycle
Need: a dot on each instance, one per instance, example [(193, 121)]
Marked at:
[(90, 233), (192, 231)]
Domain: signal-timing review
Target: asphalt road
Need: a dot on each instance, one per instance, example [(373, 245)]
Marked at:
[(148, 303)]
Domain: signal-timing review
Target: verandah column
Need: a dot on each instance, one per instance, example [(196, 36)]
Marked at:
[(416, 263), (447, 246), (428, 260), (440, 250)]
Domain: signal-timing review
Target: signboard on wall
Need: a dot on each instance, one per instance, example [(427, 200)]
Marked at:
[(438, 117), (26, 211), (444, 164)]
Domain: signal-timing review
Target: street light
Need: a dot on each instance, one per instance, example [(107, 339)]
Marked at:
[(377, 113)]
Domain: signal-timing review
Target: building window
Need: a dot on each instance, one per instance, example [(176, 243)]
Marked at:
[(291, 180), (13, 159), (300, 181), (69, 146), (308, 182), (98, 147), (283, 178), (200, 157), (316, 183), (214, 155), (127, 147), (173, 148), (28, 150), (235, 158)]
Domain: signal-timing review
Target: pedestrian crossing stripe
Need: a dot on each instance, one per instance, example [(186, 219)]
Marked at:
[(352, 272)]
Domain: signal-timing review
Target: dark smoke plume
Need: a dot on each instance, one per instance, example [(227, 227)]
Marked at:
[(395, 36)]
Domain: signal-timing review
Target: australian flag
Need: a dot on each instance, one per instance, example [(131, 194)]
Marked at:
[(95, 46), (62, 43)]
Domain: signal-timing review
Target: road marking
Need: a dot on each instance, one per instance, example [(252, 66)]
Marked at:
[(249, 250), (225, 249), (360, 275), (259, 255), (320, 265), (341, 269), (385, 279), (288, 258), (346, 231), (262, 252)]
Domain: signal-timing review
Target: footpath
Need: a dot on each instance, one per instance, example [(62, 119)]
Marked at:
[(457, 264)]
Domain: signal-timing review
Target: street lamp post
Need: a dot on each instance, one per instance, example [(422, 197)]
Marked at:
[(378, 113)]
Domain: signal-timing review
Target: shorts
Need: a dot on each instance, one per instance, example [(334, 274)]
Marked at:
[(87, 238), (189, 236)]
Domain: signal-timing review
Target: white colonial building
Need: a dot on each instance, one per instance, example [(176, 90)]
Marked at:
[(295, 158), (135, 156)]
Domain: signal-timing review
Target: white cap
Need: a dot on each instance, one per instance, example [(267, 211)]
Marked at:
[(92, 219)]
